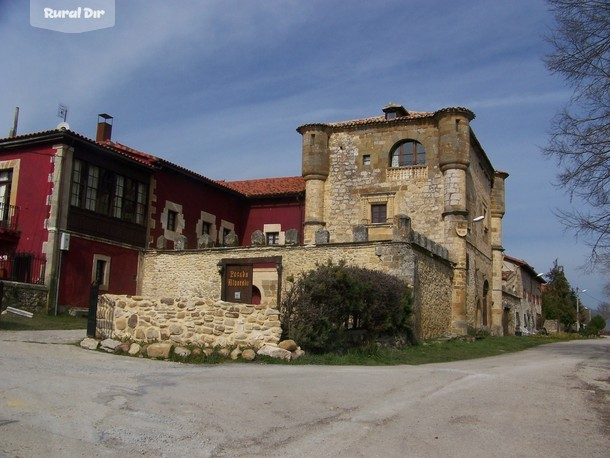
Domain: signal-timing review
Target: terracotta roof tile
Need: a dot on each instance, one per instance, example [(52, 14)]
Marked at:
[(382, 119), (267, 187), (379, 119), (524, 265), (148, 158), (49, 134), (160, 162)]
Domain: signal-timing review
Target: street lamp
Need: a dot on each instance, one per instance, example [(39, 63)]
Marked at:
[(577, 309)]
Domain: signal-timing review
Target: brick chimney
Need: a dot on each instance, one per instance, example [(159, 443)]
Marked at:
[(104, 127)]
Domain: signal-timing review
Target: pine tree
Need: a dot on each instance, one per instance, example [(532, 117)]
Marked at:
[(558, 298)]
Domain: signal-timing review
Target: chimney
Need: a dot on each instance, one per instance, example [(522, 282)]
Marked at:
[(104, 127), (13, 131)]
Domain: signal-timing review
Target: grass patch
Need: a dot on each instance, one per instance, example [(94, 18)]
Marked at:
[(424, 352), (41, 321), (429, 352)]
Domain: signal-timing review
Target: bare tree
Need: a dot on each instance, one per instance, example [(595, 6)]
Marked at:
[(603, 309), (580, 133)]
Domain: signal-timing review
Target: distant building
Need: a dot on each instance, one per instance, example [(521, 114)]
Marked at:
[(522, 297)]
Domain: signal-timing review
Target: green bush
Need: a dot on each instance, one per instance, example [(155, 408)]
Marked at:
[(478, 333), (335, 307), (596, 325)]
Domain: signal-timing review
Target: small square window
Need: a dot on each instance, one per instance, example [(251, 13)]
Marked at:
[(378, 213), (172, 217), (366, 159), (225, 234), (206, 228), (273, 238)]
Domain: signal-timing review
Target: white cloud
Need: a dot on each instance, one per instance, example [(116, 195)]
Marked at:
[(522, 100), (211, 84)]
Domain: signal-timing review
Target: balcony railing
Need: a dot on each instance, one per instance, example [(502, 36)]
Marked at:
[(407, 173), (23, 267), (9, 217)]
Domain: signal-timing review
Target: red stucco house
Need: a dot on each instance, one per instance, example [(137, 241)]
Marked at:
[(74, 211)]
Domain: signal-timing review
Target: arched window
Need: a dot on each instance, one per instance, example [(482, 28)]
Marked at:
[(408, 153)]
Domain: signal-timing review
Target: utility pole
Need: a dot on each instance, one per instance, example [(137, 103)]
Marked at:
[(578, 309)]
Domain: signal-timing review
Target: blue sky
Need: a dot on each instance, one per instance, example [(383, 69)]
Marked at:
[(220, 87)]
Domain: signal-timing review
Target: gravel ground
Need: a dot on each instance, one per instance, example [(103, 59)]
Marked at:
[(59, 400)]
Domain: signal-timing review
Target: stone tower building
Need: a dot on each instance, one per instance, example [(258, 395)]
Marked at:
[(428, 166)]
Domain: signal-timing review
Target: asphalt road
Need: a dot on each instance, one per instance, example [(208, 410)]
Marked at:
[(58, 400)]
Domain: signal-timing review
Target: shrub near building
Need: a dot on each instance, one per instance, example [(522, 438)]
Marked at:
[(596, 325), (335, 307)]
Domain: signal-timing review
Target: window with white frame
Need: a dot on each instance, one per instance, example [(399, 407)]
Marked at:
[(273, 238), (6, 179), (274, 234), (172, 220), (206, 225), (225, 229), (100, 274)]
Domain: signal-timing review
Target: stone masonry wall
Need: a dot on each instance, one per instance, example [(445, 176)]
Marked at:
[(416, 190), (24, 296), (194, 273), (433, 290), (189, 321)]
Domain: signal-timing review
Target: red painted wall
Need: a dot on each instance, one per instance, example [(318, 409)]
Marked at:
[(77, 268), (32, 190), (287, 213), (196, 196)]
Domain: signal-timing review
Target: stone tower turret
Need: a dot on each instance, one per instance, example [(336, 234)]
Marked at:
[(454, 160), (315, 172)]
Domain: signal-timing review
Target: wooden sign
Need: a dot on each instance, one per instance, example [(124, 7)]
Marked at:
[(238, 284)]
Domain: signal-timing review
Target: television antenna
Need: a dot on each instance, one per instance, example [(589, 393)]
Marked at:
[(62, 111)]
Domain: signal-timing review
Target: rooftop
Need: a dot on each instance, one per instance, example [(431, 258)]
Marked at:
[(267, 187), (400, 115)]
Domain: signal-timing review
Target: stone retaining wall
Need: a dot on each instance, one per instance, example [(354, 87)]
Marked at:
[(24, 296), (419, 262), (187, 321), (432, 294), (553, 326)]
